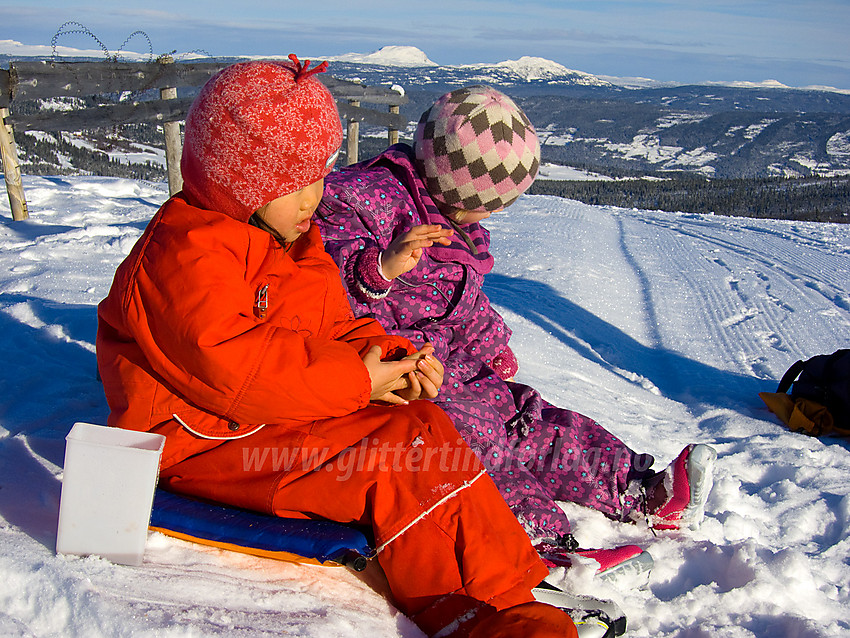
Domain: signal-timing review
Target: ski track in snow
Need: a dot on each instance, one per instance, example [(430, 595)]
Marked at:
[(663, 327)]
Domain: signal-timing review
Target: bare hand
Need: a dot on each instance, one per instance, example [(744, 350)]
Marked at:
[(427, 379), (425, 382), (387, 376), (404, 251)]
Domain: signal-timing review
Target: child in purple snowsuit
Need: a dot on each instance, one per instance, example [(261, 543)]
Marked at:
[(404, 229)]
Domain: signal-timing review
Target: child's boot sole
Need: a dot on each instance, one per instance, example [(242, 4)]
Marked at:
[(700, 468)]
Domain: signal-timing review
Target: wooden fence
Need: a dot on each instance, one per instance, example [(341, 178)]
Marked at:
[(44, 80)]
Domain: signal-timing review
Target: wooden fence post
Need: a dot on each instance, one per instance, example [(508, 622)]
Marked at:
[(173, 143), (12, 169), (392, 133), (352, 136)]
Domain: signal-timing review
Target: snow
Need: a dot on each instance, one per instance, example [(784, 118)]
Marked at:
[(675, 119), (15, 48), (764, 84), (387, 56), (18, 49), (754, 130), (648, 147), (527, 67), (122, 151), (530, 68), (664, 327), (838, 145), (560, 172), (637, 82), (643, 146), (775, 84)]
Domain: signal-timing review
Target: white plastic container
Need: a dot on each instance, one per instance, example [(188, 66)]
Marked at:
[(107, 492)]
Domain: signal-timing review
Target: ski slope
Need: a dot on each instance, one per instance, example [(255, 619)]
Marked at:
[(663, 327)]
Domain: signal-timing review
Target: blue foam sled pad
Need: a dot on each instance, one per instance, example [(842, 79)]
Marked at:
[(291, 539)]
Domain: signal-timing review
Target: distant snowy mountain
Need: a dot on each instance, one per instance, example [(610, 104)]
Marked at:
[(638, 124), (526, 69), (411, 60), (637, 82), (622, 124), (530, 69), (387, 56), (776, 84), (15, 49)]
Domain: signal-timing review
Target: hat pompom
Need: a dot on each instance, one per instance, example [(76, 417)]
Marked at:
[(257, 131), (476, 149)]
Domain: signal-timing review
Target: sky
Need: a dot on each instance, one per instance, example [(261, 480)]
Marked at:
[(795, 43)]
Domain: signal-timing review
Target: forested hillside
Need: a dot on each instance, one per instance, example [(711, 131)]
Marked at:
[(805, 199)]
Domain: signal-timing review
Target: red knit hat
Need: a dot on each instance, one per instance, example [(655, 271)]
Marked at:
[(258, 131)]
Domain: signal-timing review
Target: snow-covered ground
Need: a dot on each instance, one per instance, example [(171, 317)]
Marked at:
[(561, 172), (664, 327)]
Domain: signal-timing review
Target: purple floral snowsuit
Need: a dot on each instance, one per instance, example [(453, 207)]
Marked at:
[(536, 453)]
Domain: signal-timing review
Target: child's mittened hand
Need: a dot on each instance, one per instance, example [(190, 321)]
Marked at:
[(404, 251), (505, 364)]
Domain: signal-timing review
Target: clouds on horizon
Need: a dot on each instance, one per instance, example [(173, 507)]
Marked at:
[(683, 40)]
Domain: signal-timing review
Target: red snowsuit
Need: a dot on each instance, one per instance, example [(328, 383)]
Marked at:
[(246, 356)]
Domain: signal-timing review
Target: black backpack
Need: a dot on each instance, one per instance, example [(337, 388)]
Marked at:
[(819, 401)]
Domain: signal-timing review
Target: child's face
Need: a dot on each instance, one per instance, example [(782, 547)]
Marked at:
[(290, 215), (464, 217)]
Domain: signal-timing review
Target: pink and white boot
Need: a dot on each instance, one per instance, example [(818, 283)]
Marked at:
[(675, 498), (625, 562)]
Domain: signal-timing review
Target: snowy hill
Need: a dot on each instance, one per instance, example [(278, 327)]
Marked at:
[(387, 56), (724, 130), (661, 326), (526, 69), (627, 125), (531, 69)]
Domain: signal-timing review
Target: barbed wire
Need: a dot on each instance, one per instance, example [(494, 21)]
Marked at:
[(81, 29), (130, 37), (73, 27), (201, 52)]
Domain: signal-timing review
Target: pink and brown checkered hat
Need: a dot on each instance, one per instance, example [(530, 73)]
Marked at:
[(476, 149)]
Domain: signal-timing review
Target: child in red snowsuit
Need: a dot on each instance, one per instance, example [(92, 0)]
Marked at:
[(227, 330)]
